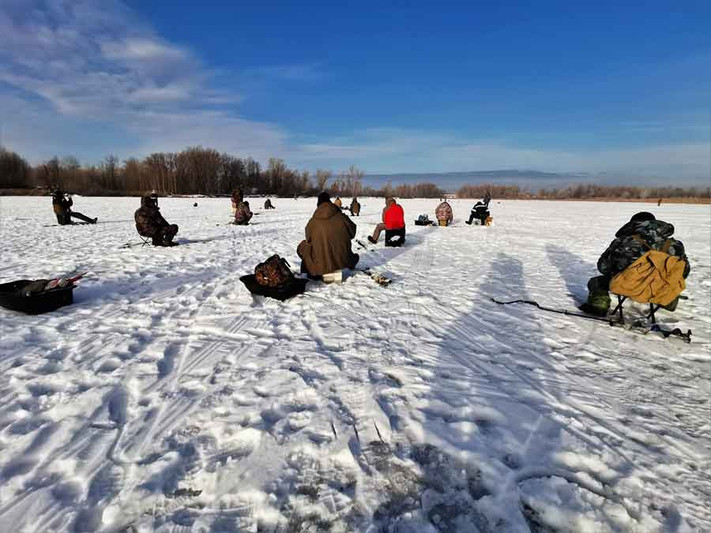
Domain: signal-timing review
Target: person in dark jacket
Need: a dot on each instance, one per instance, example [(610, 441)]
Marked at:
[(327, 247), (642, 233), (393, 218), (355, 207), (268, 204), (62, 206), (151, 224), (480, 211)]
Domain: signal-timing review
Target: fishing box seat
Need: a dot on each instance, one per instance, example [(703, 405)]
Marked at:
[(395, 237)]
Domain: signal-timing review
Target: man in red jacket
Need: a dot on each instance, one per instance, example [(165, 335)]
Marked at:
[(393, 218)]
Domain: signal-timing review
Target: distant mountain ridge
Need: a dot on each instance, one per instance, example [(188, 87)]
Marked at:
[(526, 179)]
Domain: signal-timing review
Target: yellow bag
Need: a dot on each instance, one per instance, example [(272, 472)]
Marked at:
[(655, 278)]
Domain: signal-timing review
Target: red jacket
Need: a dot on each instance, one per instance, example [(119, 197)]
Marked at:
[(394, 217)]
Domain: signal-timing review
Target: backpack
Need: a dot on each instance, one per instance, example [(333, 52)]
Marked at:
[(274, 272), (655, 278)]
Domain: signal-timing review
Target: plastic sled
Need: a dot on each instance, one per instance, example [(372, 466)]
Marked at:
[(296, 287), (13, 297)]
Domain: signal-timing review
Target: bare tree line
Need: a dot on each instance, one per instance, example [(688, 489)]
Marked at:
[(195, 170), (198, 170)]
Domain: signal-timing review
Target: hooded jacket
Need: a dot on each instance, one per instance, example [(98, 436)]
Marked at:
[(148, 218), (327, 247), (444, 212), (626, 249), (242, 214)]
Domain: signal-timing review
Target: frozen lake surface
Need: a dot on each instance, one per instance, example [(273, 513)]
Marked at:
[(168, 399)]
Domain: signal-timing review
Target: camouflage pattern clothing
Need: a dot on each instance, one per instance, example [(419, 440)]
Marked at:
[(151, 224), (444, 213), (242, 214), (624, 251)]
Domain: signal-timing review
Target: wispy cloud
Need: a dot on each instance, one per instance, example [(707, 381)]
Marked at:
[(96, 61)]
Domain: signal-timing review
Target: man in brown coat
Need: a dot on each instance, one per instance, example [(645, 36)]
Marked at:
[(327, 247)]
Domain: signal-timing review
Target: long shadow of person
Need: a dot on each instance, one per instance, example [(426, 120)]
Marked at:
[(575, 270), (484, 417), (490, 421)]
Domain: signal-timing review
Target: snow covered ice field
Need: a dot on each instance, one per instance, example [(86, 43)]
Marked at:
[(168, 399)]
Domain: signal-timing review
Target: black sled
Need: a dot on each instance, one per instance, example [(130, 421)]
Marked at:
[(15, 296)]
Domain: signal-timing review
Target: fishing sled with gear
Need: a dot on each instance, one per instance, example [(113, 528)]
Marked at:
[(34, 297), (655, 279)]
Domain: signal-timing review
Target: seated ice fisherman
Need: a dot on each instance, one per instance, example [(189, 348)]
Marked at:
[(355, 207), (642, 233), (393, 220), (444, 214), (327, 247), (242, 214), (62, 207), (151, 224), (480, 211)]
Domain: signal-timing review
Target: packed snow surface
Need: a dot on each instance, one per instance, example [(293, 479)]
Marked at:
[(168, 399)]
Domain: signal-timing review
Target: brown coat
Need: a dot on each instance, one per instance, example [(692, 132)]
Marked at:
[(327, 247)]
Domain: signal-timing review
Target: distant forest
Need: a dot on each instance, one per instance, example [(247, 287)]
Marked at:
[(195, 170), (199, 170)]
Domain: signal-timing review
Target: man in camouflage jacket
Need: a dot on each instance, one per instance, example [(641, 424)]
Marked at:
[(151, 224), (242, 214), (625, 250)]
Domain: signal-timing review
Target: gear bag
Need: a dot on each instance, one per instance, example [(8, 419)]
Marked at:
[(654, 278), (274, 272)]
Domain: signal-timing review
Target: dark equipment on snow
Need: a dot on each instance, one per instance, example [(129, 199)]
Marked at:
[(394, 237), (274, 278), (31, 297), (274, 272), (654, 327), (424, 220), (296, 287)]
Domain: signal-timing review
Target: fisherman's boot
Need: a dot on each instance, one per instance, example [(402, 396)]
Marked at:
[(598, 302)]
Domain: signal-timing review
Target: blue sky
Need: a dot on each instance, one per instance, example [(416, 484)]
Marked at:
[(391, 87)]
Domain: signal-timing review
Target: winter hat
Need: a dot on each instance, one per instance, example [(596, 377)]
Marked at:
[(643, 216), (323, 197)]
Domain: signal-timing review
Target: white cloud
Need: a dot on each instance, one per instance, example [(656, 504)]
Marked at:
[(94, 61), (142, 49)]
